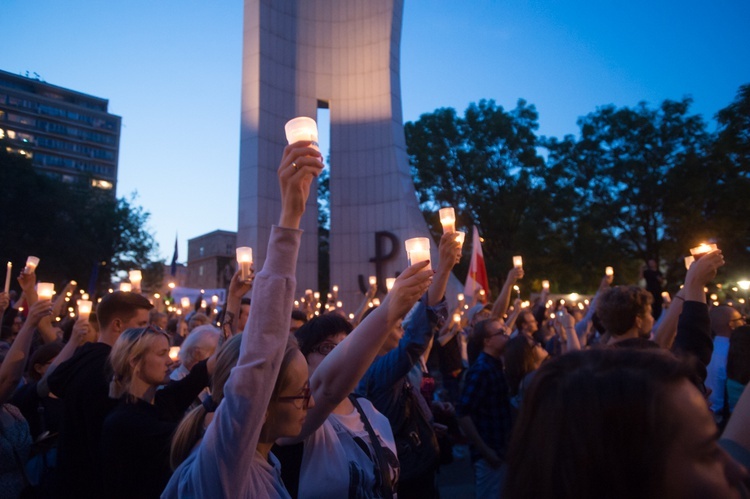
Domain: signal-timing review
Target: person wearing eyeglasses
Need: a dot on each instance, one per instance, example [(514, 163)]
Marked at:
[(724, 320), (267, 394), (348, 448), (483, 410)]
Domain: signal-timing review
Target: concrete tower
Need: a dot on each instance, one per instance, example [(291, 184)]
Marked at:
[(344, 54)]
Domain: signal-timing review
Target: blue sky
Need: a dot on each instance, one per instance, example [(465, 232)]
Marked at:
[(172, 70)]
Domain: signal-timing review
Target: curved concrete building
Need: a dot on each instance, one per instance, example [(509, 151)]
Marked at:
[(344, 54)]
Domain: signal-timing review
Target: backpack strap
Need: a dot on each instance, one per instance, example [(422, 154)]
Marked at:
[(385, 475)]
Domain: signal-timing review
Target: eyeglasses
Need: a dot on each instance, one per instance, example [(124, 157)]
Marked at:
[(150, 329), (294, 399), (324, 348)]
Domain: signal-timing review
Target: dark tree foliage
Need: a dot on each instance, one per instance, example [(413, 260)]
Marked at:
[(637, 183), (77, 231)]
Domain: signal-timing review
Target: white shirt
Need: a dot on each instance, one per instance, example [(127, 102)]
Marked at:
[(716, 378)]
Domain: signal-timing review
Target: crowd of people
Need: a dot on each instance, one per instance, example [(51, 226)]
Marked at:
[(277, 398)]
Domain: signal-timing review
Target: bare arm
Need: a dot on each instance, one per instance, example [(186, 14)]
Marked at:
[(503, 300), (12, 367), (337, 376), (449, 251), (365, 304), (470, 430), (237, 289), (666, 329)]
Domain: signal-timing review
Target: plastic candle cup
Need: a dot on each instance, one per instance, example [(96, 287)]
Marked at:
[(45, 290), (609, 271), (185, 302), (244, 259), (689, 261), (389, 282), (32, 263), (518, 262), (126, 287), (302, 128), (174, 353), (448, 219), (418, 250), (84, 308), (702, 249), (135, 278), (545, 284)]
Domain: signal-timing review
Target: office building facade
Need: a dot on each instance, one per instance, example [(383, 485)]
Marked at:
[(66, 134)]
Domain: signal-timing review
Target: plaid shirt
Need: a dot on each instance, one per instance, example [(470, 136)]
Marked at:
[(485, 399)]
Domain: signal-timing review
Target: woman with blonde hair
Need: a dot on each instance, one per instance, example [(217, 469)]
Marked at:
[(136, 434)]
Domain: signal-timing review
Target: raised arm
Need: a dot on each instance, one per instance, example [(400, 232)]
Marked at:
[(450, 251), (77, 338), (237, 289), (584, 326), (338, 374), (229, 444), (15, 361), (666, 329), (503, 300), (371, 292)]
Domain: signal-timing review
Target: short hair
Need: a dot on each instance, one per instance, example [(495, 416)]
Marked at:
[(478, 334), (197, 319), (299, 315), (172, 325), (599, 417), (317, 329), (618, 307), (121, 305), (521, 319), (187, 349), (738, 359), (154, 315), (42, 355)]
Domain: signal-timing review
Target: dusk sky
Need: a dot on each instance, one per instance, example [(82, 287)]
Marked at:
[(172, 70)]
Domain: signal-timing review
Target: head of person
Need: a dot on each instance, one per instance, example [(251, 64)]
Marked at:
[(139, 360), (119, 311), (197, 319), (626, 311), (652, 264), (725, 319), (244, 314), (299, 318), (521, 356), (738, 358), (489, 336), (526, 323), (157, 319), (478, 313), (199, 345), (41, 359), (194, 423), (320, 335), (628, 423), (290, 398)]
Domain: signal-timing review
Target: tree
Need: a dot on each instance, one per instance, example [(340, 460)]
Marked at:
[(485, 165), (77, 231)]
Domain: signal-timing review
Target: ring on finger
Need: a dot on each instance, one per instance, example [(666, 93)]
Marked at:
[(295, 166)]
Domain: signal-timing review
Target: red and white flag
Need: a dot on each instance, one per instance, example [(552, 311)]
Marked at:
[(477, 277)]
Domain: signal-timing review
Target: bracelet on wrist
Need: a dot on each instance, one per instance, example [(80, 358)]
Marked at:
[(678, 297)]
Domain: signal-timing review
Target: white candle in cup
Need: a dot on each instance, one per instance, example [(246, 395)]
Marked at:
[(316, 295), (32, 263), (376, 302), (518, 261), (215, 299), (135, 278), (456, 318), (7, 276), (84, 308), (389, 282), (126, 286), (45, 290), (609, 271), (185, 302), (702, 249), (448, 219), (418, 250), (545, 284), (461, 297), (174, 353), (689, 261), (460, 237), (373, 280), (339, 304), (302, 128), (244, 259)]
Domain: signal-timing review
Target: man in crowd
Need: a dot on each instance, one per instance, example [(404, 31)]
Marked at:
[(724, 320), (82, 382)]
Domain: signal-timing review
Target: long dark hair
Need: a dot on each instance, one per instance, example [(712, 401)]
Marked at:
[(595, 424)]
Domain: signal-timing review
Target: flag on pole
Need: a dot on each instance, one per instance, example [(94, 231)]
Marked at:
[(173, 270), (477, 276)]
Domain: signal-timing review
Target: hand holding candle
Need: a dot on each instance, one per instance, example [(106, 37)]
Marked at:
[(518, 262), (45, 290), (32, 263), (702, 249)]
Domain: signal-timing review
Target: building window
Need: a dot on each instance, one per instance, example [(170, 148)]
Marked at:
[(200, 252), (200, 270)]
